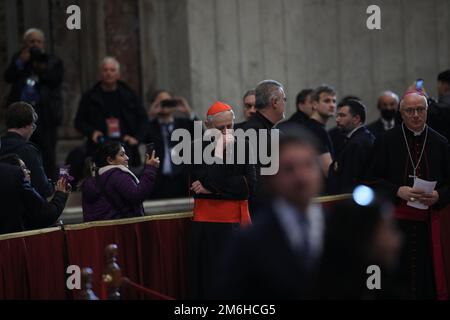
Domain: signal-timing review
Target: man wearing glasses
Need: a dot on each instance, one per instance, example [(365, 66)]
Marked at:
[(249, 100), (21, 120), (403, 157)]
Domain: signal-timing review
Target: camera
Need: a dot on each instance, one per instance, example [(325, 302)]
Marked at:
[(170, 103), (37, 55)]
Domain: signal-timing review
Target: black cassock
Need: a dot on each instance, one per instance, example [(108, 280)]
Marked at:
[(390, 169), (207, 239)]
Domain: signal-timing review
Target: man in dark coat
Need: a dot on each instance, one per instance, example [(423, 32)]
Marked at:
[(304, 109), (270, 107), (387, 105), (36, 78), (277, 257), (21, 123), (349, 168), (111, 111), (171, 181), (439, 111), (22, 207), (402, 155)]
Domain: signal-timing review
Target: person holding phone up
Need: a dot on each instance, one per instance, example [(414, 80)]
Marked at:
[(32, 211), (114, 192), (172, 180)]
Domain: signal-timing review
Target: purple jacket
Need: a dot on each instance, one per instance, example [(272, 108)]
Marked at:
[(122, 188)]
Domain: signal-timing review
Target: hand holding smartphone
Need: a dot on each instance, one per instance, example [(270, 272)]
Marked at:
[(419, 84), (149, 148)]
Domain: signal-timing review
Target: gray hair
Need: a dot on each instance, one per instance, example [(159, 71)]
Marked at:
[(389, 93), (110, 59), (265, 92), (31, 31)]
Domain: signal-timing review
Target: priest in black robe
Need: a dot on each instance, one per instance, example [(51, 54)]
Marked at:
[(409, 151), (221, 186)]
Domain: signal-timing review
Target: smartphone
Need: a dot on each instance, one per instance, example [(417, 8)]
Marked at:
[(170, 103), (419, 84), (149, 148), (64, 173)]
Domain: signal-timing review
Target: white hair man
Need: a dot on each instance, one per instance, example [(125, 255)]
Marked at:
[(111, 111), (36, 78), (221, 191)]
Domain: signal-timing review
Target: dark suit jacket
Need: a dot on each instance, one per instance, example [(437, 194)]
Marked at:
[(439, 117), (260, 264), (92, 114), (50, 107), (338, 139), (14, 143), (349, 168), (178, 185), (298, 117), (22, 207), (376, 128), (240, 125)]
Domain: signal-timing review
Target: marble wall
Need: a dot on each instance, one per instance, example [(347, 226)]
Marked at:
[(234, 44)]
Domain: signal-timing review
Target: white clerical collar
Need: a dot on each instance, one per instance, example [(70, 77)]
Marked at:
[(353, 131), (388, 124), (416, 133)]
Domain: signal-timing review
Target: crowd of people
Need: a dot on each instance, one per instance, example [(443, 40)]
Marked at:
[(252, 236)]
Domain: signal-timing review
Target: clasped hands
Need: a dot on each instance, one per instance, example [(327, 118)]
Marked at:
[(413, 195)]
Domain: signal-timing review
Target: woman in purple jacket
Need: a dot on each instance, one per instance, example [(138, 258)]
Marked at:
[(114, 192)]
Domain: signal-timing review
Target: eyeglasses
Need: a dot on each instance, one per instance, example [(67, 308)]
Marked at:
[(412, 111)]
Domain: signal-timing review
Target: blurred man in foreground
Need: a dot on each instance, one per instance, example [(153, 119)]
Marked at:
[(277, 257)]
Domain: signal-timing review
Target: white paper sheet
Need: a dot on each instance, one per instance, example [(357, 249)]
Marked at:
[(424, 185)]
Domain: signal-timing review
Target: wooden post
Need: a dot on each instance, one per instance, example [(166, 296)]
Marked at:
[(86, 292), (112, 275)]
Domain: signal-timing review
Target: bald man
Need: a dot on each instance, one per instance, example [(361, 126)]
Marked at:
[(36, 78), (401, 156), (111, 111)]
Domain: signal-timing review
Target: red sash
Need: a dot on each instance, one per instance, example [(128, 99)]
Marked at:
[(404, 212), (222, 211)]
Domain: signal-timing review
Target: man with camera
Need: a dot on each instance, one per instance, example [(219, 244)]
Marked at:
[(36, 78), (172, 180)]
